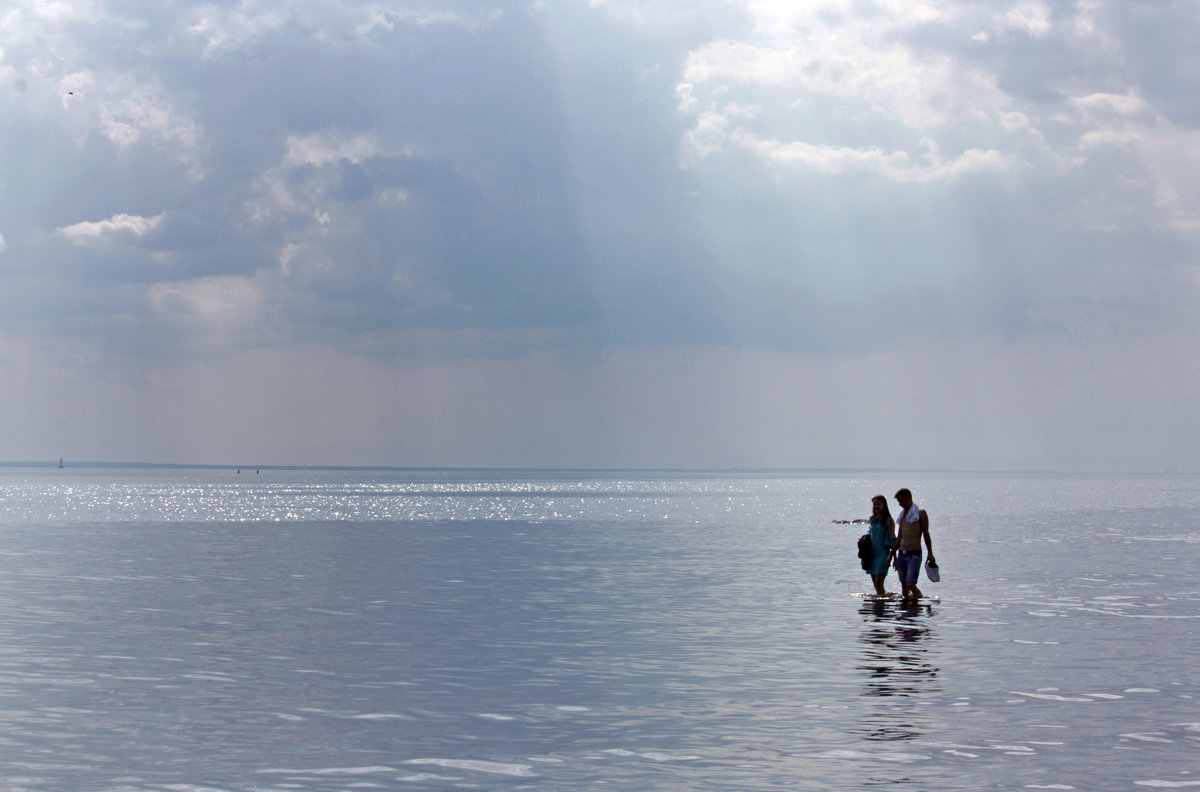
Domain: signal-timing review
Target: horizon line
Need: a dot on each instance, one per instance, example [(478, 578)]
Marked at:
[(95, 465)]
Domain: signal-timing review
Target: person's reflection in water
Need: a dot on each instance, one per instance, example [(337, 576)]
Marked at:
[(899, 667)]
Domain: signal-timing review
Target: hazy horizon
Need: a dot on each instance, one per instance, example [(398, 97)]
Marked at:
[(781, 471)]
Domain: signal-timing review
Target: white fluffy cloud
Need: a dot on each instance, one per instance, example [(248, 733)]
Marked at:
[(118, 228), (806, 72)]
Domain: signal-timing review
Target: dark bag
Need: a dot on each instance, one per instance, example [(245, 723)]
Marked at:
[(865, 552)]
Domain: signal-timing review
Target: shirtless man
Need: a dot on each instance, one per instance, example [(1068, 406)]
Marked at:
[(911, 524)]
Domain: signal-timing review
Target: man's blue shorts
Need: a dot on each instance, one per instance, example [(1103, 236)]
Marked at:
[(908, 565)]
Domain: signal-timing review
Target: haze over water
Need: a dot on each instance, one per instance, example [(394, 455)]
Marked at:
[(206, 630)]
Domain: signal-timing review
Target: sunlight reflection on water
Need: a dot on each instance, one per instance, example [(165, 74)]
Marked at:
[(182, 631)]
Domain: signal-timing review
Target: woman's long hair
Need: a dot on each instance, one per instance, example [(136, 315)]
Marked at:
[(886, 514)]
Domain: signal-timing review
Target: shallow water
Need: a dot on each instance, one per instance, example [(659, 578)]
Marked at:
[(350, 630)]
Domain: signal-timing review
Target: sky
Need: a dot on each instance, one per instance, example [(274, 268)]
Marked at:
[(602, 233)]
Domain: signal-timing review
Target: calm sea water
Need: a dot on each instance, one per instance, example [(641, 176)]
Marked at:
[(358, 631)]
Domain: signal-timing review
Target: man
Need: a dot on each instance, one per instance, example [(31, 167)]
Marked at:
[(911, 525)]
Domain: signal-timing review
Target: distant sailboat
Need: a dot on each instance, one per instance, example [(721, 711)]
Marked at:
[(60, 464)]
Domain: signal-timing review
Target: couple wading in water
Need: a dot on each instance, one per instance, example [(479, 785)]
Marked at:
[(897, 542)]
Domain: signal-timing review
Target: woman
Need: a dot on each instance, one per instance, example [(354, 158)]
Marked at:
[(883, 536)]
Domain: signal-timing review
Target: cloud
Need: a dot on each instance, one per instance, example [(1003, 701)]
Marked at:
[(895, 166), (1125, 124), (379, 169), (806, 64), (222, 29), (209, 305), (143, 112), (113, 230), (1032, 17), (855, 101), (604, 209)]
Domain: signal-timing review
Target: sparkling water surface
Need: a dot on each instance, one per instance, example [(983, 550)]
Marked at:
[(184, 630)]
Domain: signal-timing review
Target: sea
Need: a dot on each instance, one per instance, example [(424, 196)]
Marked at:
[(222, 630)]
